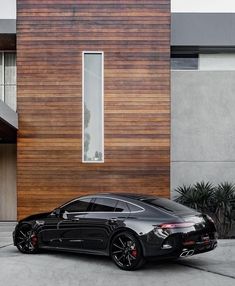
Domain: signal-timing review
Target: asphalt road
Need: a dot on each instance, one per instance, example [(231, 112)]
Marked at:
[(215, 268)]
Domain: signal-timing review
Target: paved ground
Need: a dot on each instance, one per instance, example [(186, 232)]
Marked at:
[(216, 268)]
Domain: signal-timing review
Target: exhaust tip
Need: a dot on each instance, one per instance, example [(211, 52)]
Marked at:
[(187, 253)]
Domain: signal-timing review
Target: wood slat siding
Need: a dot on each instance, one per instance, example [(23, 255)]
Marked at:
[(135, 38)]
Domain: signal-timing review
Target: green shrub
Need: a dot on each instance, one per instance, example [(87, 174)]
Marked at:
[(216, 201)]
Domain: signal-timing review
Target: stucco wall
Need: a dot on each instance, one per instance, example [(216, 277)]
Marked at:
[(203, 127)]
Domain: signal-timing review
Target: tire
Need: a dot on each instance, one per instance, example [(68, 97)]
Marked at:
[(26, 239), (126, 251)]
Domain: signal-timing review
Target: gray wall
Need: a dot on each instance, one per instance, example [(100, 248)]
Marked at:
[(203, 127), (203, 29)]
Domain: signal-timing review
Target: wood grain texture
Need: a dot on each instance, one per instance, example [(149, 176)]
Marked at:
[(135, 38)]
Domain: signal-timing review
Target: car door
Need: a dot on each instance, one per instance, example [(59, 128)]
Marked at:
[(68, 232), (72, 224), (102, 220)]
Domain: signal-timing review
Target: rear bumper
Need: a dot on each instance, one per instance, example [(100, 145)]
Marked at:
[(177, 244), (201, 247)]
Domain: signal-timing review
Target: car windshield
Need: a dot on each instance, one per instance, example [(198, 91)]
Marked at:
[(168, 205)]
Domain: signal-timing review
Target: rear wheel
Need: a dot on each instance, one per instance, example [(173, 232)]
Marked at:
[(126, 251), (26, 239)]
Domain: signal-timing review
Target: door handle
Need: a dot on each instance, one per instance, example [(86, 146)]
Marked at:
[(113, 220), (75, 219)]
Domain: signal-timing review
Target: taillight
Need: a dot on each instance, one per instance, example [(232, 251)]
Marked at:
[(176, 225)]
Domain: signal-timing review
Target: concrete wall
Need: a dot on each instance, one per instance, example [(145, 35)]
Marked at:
[(7, 182), (203, 127)]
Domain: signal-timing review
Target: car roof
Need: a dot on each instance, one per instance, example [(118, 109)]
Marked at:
[(134, 196)]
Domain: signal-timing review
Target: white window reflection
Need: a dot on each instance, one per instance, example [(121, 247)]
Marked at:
[(8, 79), (93, 133)]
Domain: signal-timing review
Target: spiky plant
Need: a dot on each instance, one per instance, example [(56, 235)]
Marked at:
[(214, 201), (196, 196), (187, 196), (204, 193), (222, 201)]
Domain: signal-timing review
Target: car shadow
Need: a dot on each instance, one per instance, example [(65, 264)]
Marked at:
[(103, 261), (106, 260)]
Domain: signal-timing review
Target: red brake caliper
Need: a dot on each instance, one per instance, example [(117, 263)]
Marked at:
[(134, 252), (34, 240)]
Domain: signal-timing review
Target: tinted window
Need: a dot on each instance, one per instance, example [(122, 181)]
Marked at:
[(184, 62), (122, 207), (77, 206), (104, 205), (134, 208), (168, 205)]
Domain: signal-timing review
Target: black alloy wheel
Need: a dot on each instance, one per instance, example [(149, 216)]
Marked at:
[(126, 251), (26, 239)]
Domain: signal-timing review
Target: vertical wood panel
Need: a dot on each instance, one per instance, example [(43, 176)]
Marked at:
[(135, 38)]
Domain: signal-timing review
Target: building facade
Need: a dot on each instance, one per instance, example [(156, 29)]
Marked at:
[(123, 96), (93, 100), (202, 92)]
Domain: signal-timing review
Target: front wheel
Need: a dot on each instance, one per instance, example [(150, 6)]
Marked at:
[(26, 239), (126, 251)]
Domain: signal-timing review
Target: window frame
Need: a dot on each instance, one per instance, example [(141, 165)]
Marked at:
[(83, 101), (3, 75), (141, 209), (93, 198), (4, 84)]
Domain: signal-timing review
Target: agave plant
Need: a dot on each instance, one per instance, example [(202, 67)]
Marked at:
[(205, 193), (187, 196), (197, 196), (214, 201), (222, 201)]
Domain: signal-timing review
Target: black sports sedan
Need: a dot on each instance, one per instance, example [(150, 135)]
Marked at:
[(127, 227)]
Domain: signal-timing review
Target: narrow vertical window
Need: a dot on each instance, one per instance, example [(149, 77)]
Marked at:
[(93, 107), (8, 79), (2, 76)]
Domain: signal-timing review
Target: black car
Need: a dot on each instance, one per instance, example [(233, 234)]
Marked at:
[(130, 228)]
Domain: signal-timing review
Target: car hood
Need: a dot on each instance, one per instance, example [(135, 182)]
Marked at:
[(36, 216)]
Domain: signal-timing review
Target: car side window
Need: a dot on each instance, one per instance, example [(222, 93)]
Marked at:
[(77, 206), (104, 205), (134, 208), (122, 207)]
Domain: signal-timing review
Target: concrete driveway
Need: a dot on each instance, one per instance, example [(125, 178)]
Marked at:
[(214, 268)]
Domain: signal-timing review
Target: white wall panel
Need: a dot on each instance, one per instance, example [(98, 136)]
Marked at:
[(201, 6), (7, 9)]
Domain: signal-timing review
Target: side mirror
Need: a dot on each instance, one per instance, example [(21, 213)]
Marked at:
[(56, 212)]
